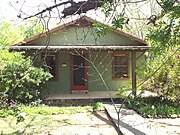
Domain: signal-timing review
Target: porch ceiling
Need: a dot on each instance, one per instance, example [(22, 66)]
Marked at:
[(82, 47)]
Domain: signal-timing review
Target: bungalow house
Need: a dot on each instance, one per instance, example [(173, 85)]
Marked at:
[(82, 61)]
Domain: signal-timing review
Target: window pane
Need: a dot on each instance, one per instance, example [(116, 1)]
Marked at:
[(120, 66), (79, 70), (51, 61), (50, 64)]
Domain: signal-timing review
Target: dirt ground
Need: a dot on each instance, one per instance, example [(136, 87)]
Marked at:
[(86, 123), (62, 124)]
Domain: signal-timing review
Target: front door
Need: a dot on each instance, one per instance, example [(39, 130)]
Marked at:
[(79, 72)]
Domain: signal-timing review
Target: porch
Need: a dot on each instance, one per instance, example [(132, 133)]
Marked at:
[(81, 98)]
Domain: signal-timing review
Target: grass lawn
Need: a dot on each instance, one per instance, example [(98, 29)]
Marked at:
[(36, 124), (58, 120)]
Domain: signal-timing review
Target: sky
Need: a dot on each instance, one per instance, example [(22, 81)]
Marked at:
[(8, 8), (30, 7), (4, 9)]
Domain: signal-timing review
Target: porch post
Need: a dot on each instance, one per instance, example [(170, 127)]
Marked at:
[(133, 64)]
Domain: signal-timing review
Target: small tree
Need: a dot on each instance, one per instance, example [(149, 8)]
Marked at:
[(165, 81), (164, 56), (31, 28), (19, 78), (9, 33)]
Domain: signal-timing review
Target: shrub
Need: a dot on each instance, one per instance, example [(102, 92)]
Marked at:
[(123, 91), (97, 106), (165, 81), (19, 79), (154, 106), (164, 40)]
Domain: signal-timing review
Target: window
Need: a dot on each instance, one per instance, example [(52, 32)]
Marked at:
[(120, 66), (50, 64)]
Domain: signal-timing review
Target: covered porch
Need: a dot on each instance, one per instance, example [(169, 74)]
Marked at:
[(65, 61), (81, 98), (85, 95)]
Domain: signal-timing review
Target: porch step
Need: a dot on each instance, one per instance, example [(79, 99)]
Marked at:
[(78, 102), (79, 91)]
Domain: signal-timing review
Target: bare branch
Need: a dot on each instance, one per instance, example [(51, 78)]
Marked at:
[(48, 9), (75, 8)]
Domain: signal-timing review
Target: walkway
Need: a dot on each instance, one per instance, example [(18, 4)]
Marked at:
[(132, 123)]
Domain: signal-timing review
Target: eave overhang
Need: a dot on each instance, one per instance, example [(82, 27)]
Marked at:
[(81, 47)]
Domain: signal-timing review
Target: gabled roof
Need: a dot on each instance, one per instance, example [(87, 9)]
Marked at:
[(75, 22)]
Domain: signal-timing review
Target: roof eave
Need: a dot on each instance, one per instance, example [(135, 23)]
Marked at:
[(99, 47)]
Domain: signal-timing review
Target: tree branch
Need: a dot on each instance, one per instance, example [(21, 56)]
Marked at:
[(48, 9), (81, 7), (75, 8)]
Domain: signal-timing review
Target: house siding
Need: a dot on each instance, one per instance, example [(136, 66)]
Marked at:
[(105, 69), (73, 35), (62, 83), (95, 83), (82, 36)]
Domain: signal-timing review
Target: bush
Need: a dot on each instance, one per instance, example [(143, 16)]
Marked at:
[(165, 82), (97, 106), (154, 106), (19, 79), (125, 90), (164, 40)]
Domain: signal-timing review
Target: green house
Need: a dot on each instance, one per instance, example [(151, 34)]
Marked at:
[(82, 61)]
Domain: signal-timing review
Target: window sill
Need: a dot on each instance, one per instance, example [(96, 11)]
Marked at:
[(116, 79), (53, 80)]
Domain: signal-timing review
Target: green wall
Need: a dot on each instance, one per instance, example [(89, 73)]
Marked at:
[(62, 84), (83, 36), (103, 63), (101, 60)]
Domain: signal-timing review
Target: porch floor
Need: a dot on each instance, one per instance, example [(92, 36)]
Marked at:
[(84, 95)]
